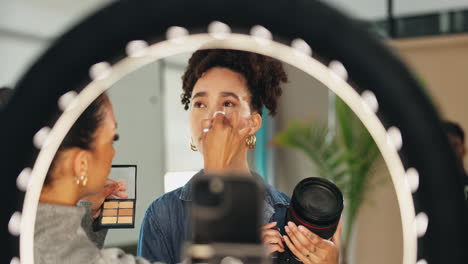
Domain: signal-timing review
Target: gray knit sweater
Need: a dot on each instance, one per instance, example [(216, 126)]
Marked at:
[(63, 234)]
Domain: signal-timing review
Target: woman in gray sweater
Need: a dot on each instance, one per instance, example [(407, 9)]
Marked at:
[(74, 190)]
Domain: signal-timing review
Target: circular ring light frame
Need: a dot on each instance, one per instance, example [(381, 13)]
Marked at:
[(233, 41), (334, 76)]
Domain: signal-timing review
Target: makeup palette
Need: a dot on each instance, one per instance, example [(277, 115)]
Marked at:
[(118, 212)]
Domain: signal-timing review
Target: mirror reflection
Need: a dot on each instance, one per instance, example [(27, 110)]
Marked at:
[(218, 111)]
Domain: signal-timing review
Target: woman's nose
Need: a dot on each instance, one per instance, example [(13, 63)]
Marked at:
[(215, 111)]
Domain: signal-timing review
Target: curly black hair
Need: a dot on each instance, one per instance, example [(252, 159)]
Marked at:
[(264, 75)]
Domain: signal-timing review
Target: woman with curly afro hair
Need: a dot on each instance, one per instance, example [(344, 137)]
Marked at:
[(225, 92)]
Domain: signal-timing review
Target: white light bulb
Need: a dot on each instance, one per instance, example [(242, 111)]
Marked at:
[(262, 35), (301, 47), (421, 261), (339, 69), (412, 176), (231, 260), (422, 222), (67, 101), (100, 71), (136, 48), (15, 260), (176, 34), (40, 138), (370, 100), (22, 181), (394, 138), (219, 30), (14, 225)]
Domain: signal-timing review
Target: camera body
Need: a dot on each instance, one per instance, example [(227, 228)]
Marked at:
[(222, 204), (317, 205)]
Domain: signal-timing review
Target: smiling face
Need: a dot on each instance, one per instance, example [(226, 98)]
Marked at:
[(219, 89)]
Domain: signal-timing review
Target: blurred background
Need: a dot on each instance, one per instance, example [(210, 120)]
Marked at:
[(431, 36)]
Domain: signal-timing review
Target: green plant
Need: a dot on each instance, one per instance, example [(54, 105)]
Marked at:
[(344, 155)]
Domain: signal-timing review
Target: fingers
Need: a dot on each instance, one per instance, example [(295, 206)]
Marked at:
[(245, 132), (321, 247), (303, 244), (325, 245), (272, 237), (337, 236), (122, 183), (96, 213), (109, 183), (305, 258), (121, 195), (292, 247), (309, 247), (206, 125), (305, 238), (114, 189), (291, 235), (109, 189), (311, 236), (235, 120), (218, 120), (269, 226), (274, 248)]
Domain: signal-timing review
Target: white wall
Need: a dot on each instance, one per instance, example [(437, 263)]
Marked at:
[(177, 129), (304, 98), (362, 9), (377, 9), (416, 7), (27, 27), (46, 18), (378, 232), (16, 55), (138, 109), (441, 62)]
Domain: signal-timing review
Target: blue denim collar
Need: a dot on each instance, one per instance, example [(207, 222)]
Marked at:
[(273, 196)]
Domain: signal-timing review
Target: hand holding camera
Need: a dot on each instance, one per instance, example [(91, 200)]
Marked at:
[(310, 248), (272, 238), (312, 225)]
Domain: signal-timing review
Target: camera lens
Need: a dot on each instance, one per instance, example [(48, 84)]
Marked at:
[(316, 204)]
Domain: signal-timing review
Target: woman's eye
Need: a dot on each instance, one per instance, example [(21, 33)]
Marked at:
[(116, 137), (198, 105), (228, 104)]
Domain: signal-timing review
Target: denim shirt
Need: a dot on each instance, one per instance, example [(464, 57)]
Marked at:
[(164, 227)]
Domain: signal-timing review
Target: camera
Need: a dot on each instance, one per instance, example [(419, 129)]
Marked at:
[(316, 204), (225, 221)]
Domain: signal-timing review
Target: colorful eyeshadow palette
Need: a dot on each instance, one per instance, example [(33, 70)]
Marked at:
[(120, 213)]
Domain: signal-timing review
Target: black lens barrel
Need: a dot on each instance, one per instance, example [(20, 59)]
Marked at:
[(316, 204)]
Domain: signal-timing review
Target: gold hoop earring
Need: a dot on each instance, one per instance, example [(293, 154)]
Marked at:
[(83, 179), (251, 141), (192, 146)]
